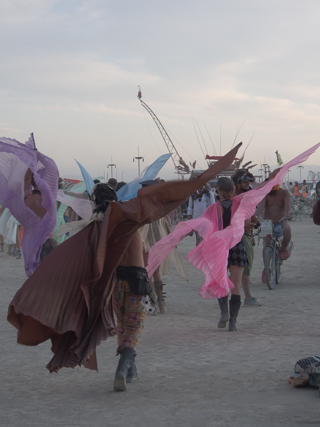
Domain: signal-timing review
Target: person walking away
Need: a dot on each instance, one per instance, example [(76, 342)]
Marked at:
[(237, 259), (198, 203)]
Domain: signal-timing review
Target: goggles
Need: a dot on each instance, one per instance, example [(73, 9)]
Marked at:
[(246, 178)]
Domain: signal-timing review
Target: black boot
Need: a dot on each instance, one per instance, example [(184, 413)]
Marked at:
[(132, 374), (223, 303), (235, 304), (125, 363)]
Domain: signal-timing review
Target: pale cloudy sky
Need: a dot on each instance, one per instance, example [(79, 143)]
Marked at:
[(70, 70)]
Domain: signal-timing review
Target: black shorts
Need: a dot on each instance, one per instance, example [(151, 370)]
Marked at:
[(238, 255), (137, 278)]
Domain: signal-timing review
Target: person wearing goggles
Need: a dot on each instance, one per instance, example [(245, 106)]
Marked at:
[(242, 179)]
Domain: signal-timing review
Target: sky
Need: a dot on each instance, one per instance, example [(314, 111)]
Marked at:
[(214, 72)]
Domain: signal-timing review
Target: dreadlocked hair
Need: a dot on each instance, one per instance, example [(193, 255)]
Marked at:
[(225, 188), (102, 195)]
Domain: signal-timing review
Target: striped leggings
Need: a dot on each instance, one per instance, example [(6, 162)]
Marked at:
[(130, 315)]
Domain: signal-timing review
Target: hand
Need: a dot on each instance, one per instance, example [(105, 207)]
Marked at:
[(257, 224), (251, 225), (274, 173)]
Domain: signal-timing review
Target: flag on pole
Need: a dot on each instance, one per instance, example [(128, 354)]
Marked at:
[(279, 160)]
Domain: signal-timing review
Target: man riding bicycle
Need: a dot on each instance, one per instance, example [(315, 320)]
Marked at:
[(276, 205)]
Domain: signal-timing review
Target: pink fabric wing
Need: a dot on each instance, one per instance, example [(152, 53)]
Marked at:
[(211, 256)]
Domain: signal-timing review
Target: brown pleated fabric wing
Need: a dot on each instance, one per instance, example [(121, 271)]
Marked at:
[(68, 299)]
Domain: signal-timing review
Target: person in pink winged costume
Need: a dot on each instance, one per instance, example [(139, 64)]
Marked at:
[(211, 256)]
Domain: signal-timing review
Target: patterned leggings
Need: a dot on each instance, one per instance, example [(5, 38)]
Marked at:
[(130, 315)]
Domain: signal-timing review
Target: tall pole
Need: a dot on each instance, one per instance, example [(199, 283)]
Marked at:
[(301, 167), (111, 165), (139, 158), (265, 168)]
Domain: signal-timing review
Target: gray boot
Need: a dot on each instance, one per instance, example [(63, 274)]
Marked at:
[(132, 374), (158, 285), (153, 297), (223, 303), (234, 311), (125, 363)]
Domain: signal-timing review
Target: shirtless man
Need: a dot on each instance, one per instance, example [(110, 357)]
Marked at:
[(276, 205), (129, 311)]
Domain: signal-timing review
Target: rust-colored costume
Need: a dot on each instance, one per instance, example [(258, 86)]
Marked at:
[(69, 296)]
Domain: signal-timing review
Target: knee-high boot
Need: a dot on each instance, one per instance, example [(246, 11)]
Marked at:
[(235, 304), (223, 303), (158, 286), (127, 360)]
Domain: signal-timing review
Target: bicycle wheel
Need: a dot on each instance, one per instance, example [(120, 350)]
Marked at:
[(270, 268), (278, 263), (305, 210)]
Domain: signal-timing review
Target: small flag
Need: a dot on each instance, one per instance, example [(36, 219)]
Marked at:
[(279, 160)]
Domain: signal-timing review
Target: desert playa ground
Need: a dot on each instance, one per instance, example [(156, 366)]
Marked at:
[(191, 373)]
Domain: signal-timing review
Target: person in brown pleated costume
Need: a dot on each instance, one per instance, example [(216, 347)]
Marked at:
[(69, 297)]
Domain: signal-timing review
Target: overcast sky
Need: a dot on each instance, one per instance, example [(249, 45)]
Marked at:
[(240, 69)]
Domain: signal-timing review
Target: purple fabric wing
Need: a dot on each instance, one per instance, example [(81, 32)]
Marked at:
[(15, 159)]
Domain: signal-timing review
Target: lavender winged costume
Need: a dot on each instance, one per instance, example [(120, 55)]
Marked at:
[(15, 159)]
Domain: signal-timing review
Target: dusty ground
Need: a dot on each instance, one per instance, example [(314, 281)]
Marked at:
[(191, 373)]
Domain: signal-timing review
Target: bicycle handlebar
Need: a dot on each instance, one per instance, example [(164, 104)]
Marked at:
[(285, 217)]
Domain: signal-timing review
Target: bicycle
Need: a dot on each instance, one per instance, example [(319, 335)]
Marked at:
[(272, 260), (300, 207)]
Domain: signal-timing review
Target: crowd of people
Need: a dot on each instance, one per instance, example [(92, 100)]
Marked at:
[(118, 252)]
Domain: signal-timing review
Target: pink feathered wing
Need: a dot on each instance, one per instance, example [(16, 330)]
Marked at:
[(211, 256)]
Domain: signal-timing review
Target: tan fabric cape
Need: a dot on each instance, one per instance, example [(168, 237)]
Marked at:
[(69, 297)]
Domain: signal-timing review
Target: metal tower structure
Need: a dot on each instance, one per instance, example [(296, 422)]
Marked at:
[(179, 164)]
